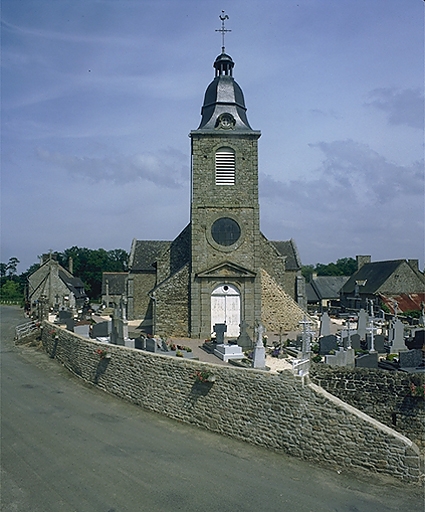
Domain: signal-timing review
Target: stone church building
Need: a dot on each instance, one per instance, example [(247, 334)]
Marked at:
[(220, 268)]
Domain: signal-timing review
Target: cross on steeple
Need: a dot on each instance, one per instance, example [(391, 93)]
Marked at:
[(223, 30)]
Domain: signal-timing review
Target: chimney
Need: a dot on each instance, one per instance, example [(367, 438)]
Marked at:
[(71, 265), (413, 264), (362, 260)]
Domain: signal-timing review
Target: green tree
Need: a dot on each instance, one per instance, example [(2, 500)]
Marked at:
[(88, 265), (342, 267), (11, 291), (12, 266)]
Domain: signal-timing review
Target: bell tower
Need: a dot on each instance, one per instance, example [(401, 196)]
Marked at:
[(225, 282)]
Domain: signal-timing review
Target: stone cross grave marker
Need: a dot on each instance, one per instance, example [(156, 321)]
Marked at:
[(244, 340)]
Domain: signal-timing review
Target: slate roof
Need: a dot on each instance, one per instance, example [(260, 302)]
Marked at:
[(328, 287), (116, 281), (373, 274), (74, 284), (144, 253), (289, 249)]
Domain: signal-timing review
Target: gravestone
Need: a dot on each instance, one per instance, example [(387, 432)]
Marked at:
[(82, 330), (325, 325), (244, 340), (219, 330), (102, 329), (70, 322), (378, 342), (362, 324), (418, 340), (355, 341), (341, 358), (327, 343), (396, 337), (64, 315), (367, 360), (259, 358)]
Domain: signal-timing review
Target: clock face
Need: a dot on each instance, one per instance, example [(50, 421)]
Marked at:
[(225, 231)]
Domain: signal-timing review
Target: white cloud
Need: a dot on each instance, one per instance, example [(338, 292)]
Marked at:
[(403, 106), (356, 202), (168, 169)]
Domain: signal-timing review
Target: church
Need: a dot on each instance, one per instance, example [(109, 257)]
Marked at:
[(220, 268)]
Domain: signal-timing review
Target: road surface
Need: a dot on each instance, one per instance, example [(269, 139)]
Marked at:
[(69, 447)]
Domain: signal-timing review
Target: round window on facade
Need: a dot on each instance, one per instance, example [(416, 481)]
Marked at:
[(225, 231)]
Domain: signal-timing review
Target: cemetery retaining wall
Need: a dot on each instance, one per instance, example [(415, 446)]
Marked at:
[(384, 395), (272, 410)]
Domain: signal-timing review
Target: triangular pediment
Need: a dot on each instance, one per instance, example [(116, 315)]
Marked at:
[(227, 269)]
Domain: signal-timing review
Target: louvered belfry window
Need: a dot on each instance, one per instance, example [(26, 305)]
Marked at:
[(225, 167)]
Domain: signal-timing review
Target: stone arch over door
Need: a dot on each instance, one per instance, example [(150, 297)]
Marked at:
[(226, 309)]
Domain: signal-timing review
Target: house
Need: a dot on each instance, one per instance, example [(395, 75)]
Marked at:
[(374, 279), (323, 292), (220, 268), (55, 286)]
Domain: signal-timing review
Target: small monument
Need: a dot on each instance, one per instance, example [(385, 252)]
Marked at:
[(244, 340), (362, 324), (223, 350), (396, 336), (259, 359), (325, 325)]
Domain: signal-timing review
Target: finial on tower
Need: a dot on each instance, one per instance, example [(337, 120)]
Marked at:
[(223, 30)]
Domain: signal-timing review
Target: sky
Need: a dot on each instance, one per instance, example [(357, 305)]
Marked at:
[(99, 96)]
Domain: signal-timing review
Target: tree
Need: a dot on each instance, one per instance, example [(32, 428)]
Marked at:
[(342, 267), (88, 265), (12, 266), (10, 291)]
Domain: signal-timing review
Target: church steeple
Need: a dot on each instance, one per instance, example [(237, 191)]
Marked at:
[(224, 103)]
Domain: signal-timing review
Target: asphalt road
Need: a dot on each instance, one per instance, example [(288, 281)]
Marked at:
[(67, 446)]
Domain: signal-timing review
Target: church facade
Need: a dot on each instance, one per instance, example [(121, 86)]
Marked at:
[(220, 268)]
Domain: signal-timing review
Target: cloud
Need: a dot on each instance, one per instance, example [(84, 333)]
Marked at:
[(353, 171), (355, 202), (403, 106), (167, 169)]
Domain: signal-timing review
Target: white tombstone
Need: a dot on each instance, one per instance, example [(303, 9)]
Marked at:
[(259, 360), (325, 325), (397, 337), (362, 324)]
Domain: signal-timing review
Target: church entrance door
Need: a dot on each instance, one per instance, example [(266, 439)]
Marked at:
[(226, 309)]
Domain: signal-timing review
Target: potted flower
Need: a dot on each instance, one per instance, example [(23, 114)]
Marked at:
[(102, 353), (203, 376)]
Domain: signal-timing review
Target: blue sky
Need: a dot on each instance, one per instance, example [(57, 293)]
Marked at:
[(98, 97)]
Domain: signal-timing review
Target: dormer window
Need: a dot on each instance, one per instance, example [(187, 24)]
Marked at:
[(225, 168)]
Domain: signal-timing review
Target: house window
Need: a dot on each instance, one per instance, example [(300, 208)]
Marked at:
[(225, 167)]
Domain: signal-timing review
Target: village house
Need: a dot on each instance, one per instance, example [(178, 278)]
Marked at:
[(55, 287), (381, 278)]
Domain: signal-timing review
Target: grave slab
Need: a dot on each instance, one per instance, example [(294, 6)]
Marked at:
[(226, 352)]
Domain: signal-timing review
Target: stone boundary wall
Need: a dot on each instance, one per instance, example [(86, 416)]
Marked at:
[(274, 411), (382, 394)]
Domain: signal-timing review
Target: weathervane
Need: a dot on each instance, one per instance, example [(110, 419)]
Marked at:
[(223, 30)]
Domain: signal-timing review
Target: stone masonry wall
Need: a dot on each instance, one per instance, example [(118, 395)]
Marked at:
[(278, 309), (274, 411), (381, 394), (172, 305)]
